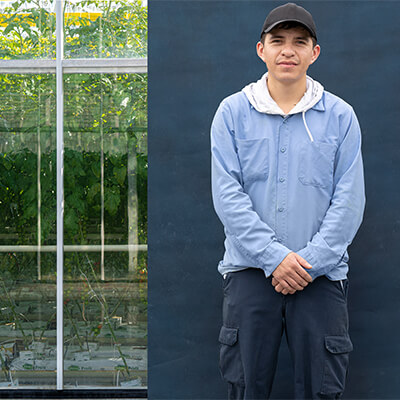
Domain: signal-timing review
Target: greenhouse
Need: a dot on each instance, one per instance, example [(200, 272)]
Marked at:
[(73, 203)]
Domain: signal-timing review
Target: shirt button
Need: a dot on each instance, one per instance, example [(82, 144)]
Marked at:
[(280, 209), (280, 240), (283, 149), (281, 179)]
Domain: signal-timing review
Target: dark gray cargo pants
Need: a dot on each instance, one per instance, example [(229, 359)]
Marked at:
[(315, 322)]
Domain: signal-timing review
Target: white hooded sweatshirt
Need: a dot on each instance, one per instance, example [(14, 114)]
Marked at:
[(258, 95)]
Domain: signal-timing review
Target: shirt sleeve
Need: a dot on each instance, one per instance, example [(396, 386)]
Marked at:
[(252, 236), (343, 218)]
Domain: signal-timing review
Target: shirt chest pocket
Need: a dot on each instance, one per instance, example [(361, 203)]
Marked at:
[(316, 164), (253, 157)]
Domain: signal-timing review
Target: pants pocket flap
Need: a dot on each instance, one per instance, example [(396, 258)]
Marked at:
[(338, 344), (228, 336)]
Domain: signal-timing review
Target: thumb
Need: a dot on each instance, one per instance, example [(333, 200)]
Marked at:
[(302, 261)]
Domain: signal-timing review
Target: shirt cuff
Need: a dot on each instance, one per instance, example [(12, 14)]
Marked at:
[(274, 255)]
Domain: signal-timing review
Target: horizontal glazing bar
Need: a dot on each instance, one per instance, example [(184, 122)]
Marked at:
[(27, 66), (75, 66), (73, 248)]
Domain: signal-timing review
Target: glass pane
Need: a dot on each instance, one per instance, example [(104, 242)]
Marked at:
[(27, 29), (28, 233), (105, 29), (105, 231)]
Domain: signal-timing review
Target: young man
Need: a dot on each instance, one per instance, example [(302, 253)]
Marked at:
[(287, 183)]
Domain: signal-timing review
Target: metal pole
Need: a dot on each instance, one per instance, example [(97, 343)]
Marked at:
[(60, 194), (86, 248), (102, 231), (39, 191)]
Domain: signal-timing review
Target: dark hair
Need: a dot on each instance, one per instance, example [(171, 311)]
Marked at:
[(290, 25)]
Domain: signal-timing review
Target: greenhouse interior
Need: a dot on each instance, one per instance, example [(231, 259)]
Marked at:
[(73, 203)]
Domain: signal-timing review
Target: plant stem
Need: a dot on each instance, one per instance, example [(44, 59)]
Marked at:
[(74, 327)]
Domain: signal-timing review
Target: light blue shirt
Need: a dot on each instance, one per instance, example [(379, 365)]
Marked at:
[(277, 189)]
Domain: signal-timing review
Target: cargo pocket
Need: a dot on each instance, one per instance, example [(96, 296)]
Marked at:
[(254, 157), (316, 164), (230, 361), (336, 366)]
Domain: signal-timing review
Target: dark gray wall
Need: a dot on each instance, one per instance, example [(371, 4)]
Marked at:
[(200, 52)]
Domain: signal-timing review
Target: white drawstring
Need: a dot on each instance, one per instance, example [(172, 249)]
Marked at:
[(306, 126)]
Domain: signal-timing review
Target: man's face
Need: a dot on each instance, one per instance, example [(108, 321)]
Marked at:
[(288, 53)]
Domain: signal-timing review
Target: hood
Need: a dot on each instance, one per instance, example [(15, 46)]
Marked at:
[(258, 95)]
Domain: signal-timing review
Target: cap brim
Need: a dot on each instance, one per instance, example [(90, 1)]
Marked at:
[(289, 20)]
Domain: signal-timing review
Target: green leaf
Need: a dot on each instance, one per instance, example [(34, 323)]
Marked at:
[(93, 191), (95, 167), (71, 220), (120, 174), (112, 199), (9, 28)]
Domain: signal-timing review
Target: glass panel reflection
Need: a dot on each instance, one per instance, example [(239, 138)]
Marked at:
[(27, 226), (105, 29), (105, 231), (27, 29)]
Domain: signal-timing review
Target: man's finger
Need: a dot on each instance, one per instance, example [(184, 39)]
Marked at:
[(302, 261), (287, 283), (278, 288), (299, 275), (284, 290), (294, 284), (302, 277), (288, 291), (303, 274)]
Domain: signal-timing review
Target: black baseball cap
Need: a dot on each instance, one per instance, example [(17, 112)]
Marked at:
[(289, 12)]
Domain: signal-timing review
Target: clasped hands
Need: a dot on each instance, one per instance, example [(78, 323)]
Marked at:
[(290, 276)]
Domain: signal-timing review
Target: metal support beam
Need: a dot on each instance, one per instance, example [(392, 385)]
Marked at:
[(60, 194), (76, 66), (88, 248)]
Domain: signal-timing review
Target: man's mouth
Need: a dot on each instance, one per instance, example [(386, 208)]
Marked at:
[(287, 63)]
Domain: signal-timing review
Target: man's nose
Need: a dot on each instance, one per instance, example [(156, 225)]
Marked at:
[(287, 50)]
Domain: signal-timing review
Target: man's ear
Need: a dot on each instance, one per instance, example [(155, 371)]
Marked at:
[(316, 53), (260, 50)]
